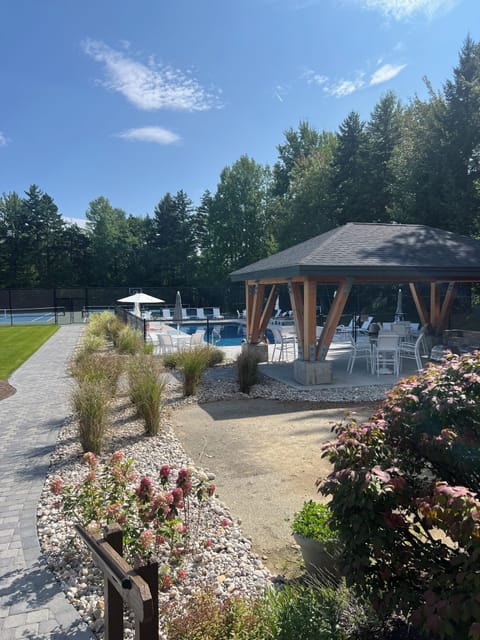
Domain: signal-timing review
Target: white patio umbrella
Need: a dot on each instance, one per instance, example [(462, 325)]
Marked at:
[(177, 312), (399, 309), (140, 298)]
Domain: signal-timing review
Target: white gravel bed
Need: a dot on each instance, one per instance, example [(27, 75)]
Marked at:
[(227, 563)]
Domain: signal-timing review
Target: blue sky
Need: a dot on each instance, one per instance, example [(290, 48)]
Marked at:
[(131, 99)]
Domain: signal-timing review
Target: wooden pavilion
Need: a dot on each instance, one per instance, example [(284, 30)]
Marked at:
[(356, 253)]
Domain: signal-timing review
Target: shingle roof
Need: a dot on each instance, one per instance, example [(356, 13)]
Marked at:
[(367, 249)]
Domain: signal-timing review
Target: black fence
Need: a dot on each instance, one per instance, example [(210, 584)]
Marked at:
[(74, 304)]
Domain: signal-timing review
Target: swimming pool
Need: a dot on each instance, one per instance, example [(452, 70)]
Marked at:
[(224, 334)]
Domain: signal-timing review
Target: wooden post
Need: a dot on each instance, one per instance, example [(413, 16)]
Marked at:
[(420, 305), (132, 589), (148, 630), (447, 306), (309, 320), (113, 600), (296, 302), (323, 344)]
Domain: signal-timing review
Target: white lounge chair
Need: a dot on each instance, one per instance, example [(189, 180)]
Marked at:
[(216, 313), (166, 314), (201, 313)]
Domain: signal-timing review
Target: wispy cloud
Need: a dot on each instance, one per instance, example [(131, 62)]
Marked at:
[(3, 140), (149, 86), (386, 72), (149, 134), (345, 87), (402, 9)]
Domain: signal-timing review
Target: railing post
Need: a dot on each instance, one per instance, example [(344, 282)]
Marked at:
[(113, 600), (149, 630)]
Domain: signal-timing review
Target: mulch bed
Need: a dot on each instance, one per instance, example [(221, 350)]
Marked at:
[(6, 389)]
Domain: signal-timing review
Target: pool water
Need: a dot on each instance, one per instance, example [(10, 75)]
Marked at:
[(225, 334)]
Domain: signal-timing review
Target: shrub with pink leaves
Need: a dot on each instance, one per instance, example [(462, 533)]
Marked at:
[(404, 496)]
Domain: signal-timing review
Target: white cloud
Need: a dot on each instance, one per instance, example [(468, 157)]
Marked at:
[(343, 88), (149, 134), (3, 140), (149, 86), (385, 73), (401, 9), (314, 78)]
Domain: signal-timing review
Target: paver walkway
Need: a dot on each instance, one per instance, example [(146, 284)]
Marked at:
[(32, 605)]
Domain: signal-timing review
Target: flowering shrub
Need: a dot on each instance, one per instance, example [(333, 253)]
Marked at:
[(157, 523), (404, 499)]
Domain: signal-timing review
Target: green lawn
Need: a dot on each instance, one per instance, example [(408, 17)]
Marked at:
[(18, 343)]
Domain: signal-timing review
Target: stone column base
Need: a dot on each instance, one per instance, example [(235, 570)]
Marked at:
[(311, 373), (260, 350)]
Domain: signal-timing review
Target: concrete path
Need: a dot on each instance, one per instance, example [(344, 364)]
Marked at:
[(32, 605)]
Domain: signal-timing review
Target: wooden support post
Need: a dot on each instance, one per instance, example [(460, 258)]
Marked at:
[(296, 302), (333, 317), (309, 320), (434, 307), (258, 292), (267, 312), (420, 305), (447, 306), (248, 310), (113, 600)]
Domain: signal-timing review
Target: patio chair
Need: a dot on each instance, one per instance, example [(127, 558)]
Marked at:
[(216, 313), (415, 350), (191, 313), (184, 314), (197, 338), (166, 314), (387, 354), (360, 348), (285, 345), (201, 314), (165, 343)]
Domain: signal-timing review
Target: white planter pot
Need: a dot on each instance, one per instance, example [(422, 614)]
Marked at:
[(319, 555)]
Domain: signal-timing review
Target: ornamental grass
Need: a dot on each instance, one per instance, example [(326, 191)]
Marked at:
[(247, 370), (192, 363), (90, 403), (146, 389)]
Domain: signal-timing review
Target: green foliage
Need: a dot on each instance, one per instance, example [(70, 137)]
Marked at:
[(192, 363), (247, 370), (17, 344), (90, 403), (297, 612), (128, 341), (306, 611), (98, 368), (104, 325), (215, 356), (146, 390), (404, 498), (207, 618), (314, 521)]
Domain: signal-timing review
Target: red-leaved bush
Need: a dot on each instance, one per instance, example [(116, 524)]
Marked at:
[(404, 496)]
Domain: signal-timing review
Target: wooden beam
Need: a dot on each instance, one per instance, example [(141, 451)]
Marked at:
[(296, 302), (446, 308), (333, 317), (434, 306), (248, 310), (420, 305), (257, 301), (309, 319), (268, 311)]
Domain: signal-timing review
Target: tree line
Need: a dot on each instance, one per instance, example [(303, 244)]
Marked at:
[(417, 162)]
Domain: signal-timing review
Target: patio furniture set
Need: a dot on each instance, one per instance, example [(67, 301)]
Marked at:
[(188, 313), (169, 340)]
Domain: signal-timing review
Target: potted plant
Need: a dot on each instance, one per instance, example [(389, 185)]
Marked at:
[(313, 531)]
